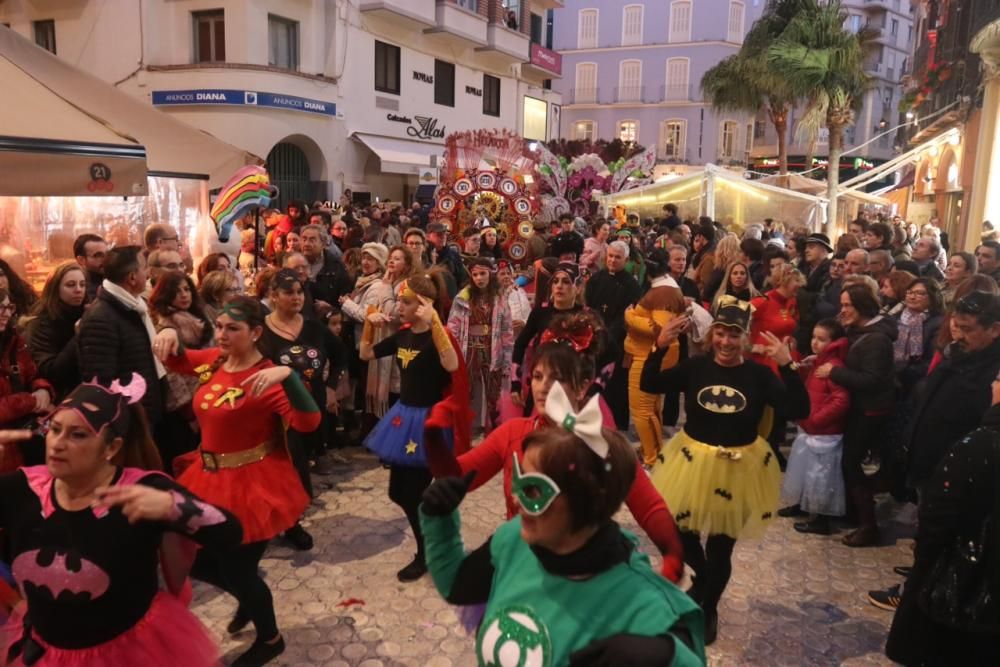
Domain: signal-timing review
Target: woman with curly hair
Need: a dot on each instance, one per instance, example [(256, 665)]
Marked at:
[(20, 292), (176, 304)]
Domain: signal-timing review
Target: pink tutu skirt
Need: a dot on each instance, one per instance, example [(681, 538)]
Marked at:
[(167, 636)]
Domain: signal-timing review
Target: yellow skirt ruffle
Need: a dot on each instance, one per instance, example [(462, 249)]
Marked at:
[(719, 490)]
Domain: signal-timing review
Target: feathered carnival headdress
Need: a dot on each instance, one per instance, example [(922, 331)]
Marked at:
[(101, 406)]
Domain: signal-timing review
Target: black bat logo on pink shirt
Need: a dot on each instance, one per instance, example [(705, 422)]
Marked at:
[(60, 573)]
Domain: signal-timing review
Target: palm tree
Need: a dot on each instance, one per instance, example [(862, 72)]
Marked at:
[(747, 82), (823, 63)]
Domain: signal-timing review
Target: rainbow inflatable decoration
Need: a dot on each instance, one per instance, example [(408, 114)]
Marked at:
[(249, 188)]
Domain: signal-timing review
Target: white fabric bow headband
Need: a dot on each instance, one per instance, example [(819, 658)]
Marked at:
[(585, 424)]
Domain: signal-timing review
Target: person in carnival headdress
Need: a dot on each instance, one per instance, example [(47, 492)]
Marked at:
[(480, 320), (430, 368), (562, 552), (564, 290), (717, 475), (242, 406), (87, 532), (568, 356)]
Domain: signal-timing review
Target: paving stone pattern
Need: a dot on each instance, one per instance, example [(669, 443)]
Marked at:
[(793, 599)]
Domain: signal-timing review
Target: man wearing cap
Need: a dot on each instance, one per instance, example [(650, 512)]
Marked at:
[(472, 241), (441, 254), (538, 243), (817, 269), (610, 292)]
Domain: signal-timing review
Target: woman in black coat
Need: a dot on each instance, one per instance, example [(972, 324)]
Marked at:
[(868, 375), (51, 332), (959, 496), (918, 324)]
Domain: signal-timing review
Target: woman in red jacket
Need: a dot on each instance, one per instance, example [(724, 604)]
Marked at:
[(22, 393), (814, 483), (567, 360)]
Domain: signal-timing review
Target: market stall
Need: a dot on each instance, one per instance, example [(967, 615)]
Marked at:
[(53, 98), (723, 196)]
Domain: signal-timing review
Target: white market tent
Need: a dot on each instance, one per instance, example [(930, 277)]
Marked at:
[(723, 196), (727, 197)]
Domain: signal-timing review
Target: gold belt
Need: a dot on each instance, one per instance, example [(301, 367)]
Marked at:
[(213, 461)]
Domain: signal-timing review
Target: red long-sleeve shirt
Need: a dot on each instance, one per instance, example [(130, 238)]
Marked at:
[(496, 453)]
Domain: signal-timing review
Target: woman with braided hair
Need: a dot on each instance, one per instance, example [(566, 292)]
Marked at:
[(566, 355), (562, 582), (430, 367), (242, 392)]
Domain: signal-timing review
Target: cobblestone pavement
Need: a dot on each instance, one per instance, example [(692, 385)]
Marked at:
[(793, 599)]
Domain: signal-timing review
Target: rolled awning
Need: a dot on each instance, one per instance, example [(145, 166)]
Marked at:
[(50, 147), (400, 156)]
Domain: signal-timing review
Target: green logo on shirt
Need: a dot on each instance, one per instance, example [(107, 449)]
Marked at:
[(514, 637)]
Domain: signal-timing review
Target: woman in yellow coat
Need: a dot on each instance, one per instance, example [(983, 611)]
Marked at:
[(663, 302)]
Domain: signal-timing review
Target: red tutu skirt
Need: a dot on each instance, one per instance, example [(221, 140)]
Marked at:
[(167, 636), (267, 497)]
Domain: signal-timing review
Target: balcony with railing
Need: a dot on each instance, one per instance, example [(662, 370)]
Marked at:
[(460, 23), (680, 93), (674, 154), (403, 12), (879, 5), (506, 44), (584, 95), (629, 94)]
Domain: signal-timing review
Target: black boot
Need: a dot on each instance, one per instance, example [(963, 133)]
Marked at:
[(817, 524), (711, 626), (240, 620), (414, 570), (299, 537), (260, 653)]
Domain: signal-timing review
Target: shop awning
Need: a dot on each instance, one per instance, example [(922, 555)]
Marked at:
[(172, 148), (53, 148), (400, 156)]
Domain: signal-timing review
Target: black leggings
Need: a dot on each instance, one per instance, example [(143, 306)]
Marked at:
[(234, 570), (298, 450), (406, 489), (712, 565)]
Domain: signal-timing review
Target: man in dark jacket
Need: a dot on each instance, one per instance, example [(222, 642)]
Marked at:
[(956, 394), (328, 277), (925, 253), (90, 251), (610, 292), (443, 254), (116, 333)]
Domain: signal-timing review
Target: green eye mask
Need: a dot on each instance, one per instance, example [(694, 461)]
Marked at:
[(535, 492)]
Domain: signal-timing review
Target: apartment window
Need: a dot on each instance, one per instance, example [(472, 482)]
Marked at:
[(759, 129), (386, 68), (630, 81), (283, 42), (673, 134), (894, 26), (586, 84), (727, 141), (677, 79), (890, 64), (471, 5), (586, 36), (444, 83), (749, 146), (680, 21), (854, 23), (736, 11), (628, 130), (491, 95), (909, 35), (45, 34), (584, 130), (209, 36), (632, 25)]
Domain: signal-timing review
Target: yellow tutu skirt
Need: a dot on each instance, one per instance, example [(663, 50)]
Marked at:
[(719, 490)]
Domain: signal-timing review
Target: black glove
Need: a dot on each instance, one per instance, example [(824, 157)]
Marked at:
[(632, 650), (445, 495)]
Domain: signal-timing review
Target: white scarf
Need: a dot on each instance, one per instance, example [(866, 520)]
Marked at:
[(137, 305), (666, 280)]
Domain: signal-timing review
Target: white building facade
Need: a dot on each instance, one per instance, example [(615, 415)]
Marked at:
[(334, 94)]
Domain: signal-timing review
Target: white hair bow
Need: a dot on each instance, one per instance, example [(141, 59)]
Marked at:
[(585, 424)]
